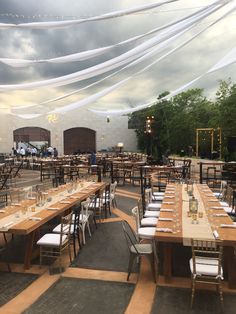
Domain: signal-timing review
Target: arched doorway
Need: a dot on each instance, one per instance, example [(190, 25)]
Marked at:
[(79, 140), (33, 135)]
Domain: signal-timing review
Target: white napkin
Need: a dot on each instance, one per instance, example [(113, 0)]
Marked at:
[(65, 202), (164, 230), (167, 210), (35, 218), (217, 207), (215, 234), (170, 192), (53, 208), (220, 215), (228, 226), (7, 226), (165, 219)]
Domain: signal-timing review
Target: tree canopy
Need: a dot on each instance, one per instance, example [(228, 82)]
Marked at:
[(175, 121)]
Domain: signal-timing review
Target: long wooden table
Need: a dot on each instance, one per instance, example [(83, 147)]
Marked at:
[(29, 228), (173, 200)]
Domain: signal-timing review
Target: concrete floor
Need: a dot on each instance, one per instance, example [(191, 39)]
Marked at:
[(142, 297)]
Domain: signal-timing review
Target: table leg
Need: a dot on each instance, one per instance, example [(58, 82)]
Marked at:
[(230, 263), (28, 249), (167, 262)]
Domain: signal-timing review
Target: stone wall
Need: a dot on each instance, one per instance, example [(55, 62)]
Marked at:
[(107, 134)]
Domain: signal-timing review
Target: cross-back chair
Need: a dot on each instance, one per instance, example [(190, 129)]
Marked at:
[(52, 245)]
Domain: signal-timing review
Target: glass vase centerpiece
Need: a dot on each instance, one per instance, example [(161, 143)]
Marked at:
[(193, 209), (190, 188)]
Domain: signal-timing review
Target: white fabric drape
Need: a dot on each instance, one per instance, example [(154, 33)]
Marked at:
[(117, 61), (62, 24), (125, 67), (85, 55), (106, 91), (230, 58), (98, 95)]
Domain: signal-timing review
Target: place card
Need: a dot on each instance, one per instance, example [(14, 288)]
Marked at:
[(2, 211), (164, 230), (168, 196), (65, 202)]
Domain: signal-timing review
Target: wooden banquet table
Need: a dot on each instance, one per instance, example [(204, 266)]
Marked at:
[(14, 221), (175, 225)]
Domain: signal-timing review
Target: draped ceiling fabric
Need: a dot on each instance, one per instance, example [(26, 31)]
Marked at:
[(111, 67)]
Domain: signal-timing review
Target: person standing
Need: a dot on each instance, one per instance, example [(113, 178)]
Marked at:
[(34, 151), (22, 152), (50, 151), (55, 152), (93, 159)]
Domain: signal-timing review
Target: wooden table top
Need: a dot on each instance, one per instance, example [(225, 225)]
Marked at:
[(26, 226), (173, 200)]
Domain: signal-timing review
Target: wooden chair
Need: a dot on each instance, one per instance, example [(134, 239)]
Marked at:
[(205, 265)]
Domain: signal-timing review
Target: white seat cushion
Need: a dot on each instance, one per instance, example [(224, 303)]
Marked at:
[(228, 209), (157, 198), (206, 267), (51, 239), (218, 194), (142, 248), (224, 204), (151, 221), (151, 213), (153, 206), (158, 193), (146, 232)]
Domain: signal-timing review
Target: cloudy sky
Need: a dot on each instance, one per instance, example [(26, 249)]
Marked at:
[(177, 69)]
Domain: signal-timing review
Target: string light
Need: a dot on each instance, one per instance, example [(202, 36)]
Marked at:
[(148, 124)]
